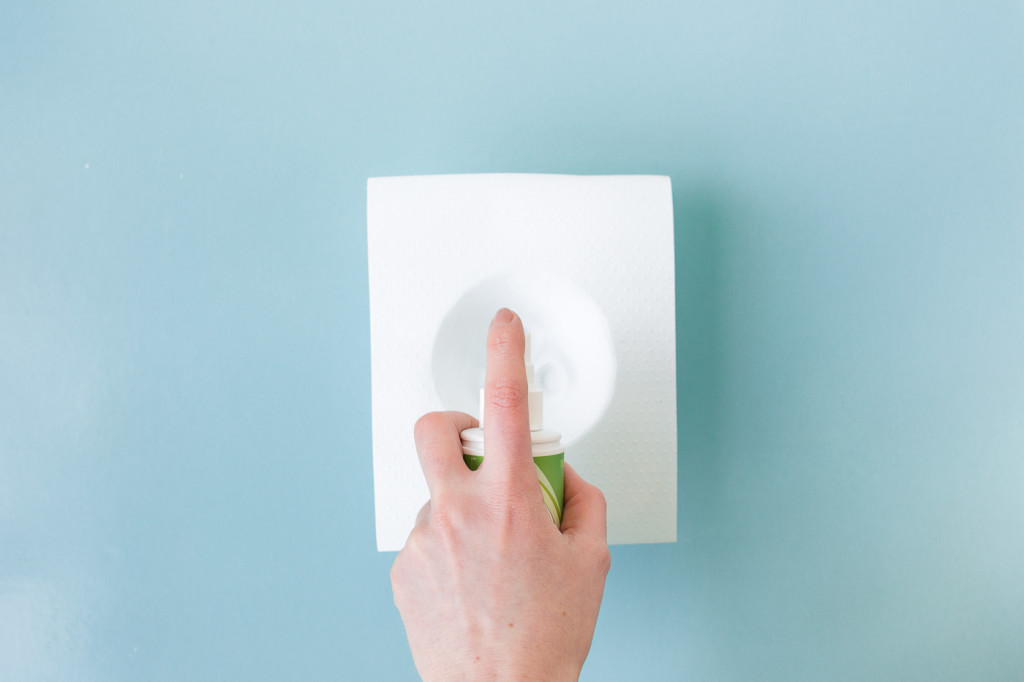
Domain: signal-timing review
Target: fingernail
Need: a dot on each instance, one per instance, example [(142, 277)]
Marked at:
[(504, 316)]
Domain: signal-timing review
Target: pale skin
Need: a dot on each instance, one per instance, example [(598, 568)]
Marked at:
[(488, 587)]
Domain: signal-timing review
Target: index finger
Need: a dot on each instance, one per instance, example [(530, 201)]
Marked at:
[(507, 449)]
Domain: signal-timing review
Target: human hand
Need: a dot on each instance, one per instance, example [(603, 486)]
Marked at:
[(487, 586)]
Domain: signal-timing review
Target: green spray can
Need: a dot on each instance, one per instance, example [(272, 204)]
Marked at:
[(548, 453)]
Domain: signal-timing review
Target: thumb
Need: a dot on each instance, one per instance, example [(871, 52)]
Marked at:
[(585, 511)]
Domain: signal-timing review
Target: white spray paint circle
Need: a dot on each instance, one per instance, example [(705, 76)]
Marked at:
[(572, 349)]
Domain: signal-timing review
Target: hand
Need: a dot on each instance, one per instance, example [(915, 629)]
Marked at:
[(488, 587)]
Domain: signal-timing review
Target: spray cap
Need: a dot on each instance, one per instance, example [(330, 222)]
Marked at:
[(536, 395)]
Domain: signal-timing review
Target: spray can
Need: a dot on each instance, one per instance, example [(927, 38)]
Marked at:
[(548, 453)]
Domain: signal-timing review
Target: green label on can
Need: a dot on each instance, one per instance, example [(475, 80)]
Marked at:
[(550, 474)]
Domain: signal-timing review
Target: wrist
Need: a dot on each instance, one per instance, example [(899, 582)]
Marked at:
[(531, 666)]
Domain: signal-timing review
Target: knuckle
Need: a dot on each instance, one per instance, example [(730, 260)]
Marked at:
[(396, 572), (416, 546), (507, 342), (507, 515), (403, 579), (428, 424), (594, 552), (598, 555), (446, 523), (603, 558), (398, 577), (507, 393), (423, 514)]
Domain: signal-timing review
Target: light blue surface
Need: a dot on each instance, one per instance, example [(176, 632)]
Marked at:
[(185, 473)]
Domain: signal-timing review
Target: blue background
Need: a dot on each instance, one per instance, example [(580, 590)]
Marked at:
[(185, 472)]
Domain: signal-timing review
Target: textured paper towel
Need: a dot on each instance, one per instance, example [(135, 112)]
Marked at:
[(588, 263)]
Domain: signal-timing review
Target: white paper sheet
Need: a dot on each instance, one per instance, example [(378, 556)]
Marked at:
[(588, 263)]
